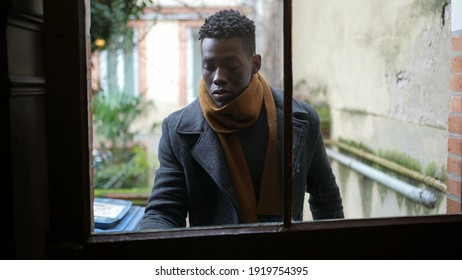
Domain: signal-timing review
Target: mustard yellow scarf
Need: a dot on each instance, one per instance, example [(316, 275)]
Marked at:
[(243, 111)]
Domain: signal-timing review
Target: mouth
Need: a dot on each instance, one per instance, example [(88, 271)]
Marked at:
[(221, 92), (222, 96)]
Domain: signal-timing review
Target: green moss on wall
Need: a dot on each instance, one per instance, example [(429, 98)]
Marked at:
[(401, 159), (357, 145), (366, 185), (433, 171)]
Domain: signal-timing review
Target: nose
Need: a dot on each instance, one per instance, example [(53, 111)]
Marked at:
[(220, 77)]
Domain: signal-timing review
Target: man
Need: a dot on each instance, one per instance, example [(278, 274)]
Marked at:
[(220, 157)]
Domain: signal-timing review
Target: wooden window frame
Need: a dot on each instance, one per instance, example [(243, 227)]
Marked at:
[(69, 217)]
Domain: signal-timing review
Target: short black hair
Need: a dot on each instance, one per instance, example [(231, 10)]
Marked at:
[(228, 24)]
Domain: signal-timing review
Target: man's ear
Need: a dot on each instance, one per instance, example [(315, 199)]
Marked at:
[(256, 62)]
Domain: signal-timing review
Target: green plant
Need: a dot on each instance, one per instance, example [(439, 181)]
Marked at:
[(109, 19), (122, 162), (116, 173), (114, 114)]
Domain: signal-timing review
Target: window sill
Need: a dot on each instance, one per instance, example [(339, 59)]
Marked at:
[(422, 237)]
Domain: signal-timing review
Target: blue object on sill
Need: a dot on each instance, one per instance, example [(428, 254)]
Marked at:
[(115, 215)]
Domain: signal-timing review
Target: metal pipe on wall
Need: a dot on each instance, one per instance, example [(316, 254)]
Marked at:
[(425, 197), (427, 180)]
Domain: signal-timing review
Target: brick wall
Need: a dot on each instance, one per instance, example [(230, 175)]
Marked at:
[(455, 127)]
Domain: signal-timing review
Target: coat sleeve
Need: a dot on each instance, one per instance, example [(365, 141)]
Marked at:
[(166, 206)]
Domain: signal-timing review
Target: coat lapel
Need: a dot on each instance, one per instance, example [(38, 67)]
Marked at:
[(207, 151)]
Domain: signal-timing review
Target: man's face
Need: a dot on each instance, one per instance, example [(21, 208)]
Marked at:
[(226, 68)]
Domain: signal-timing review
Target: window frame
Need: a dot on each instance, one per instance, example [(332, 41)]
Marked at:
[(70, 231)]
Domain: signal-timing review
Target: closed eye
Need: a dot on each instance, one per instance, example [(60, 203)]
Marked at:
[(209, 67)]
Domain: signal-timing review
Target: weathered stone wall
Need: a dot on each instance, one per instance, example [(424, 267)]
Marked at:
[(383, 67)]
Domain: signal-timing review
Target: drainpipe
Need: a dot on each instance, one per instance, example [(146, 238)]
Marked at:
[(425, 197)]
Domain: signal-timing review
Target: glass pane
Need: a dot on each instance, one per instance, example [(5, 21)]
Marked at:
[(378, 73), (146, 64)]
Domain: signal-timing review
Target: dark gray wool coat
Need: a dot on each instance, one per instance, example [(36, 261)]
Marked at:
[(193, 177)]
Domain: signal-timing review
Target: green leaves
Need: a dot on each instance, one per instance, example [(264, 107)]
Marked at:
[(113, 115), (109, 19)]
